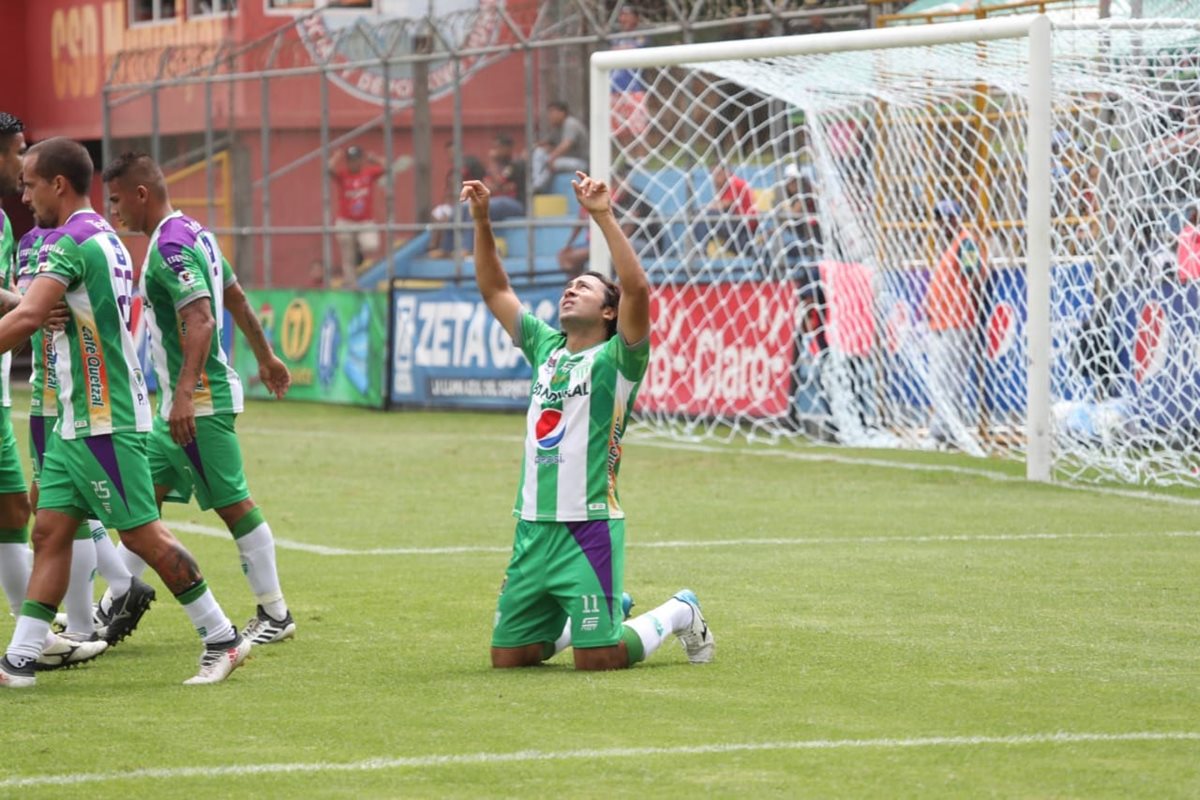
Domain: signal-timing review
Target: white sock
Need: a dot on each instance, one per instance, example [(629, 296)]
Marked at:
[(106, 600), (207, 617), (651, 630), (109, 563), (676, 613), (257, 549), (654, 626), (564, 640), (15, 567), (28, 640), (133, 562), (78, 600)]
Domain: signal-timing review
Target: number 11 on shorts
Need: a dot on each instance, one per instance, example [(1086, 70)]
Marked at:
[(594, 607)]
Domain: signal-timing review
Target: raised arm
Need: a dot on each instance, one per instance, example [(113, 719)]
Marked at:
[(633, 318), (271, 370), (490, 277)]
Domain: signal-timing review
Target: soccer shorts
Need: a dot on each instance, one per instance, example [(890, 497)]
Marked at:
[(562, 570), (104, 477), (12, 477), (210, 467), (41, 433)]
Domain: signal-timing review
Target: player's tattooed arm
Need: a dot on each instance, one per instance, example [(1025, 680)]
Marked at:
[(246, 320), (271, 370)]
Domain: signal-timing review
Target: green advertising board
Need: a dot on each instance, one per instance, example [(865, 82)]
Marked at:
[(334, 342)]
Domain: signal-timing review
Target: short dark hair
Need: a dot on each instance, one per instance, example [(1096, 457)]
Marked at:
[(612, 298), (10, 125), (66, 157), (504, 139), (558, 105), (132, 164)]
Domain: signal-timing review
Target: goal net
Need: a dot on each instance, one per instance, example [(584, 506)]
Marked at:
[(849, 242)]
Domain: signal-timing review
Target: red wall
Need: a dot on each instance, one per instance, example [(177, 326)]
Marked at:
[(68, 48), (61, 51)]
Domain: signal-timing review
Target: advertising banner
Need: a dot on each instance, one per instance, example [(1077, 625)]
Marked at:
[(720, 350), (332, 341), (1157, 336), (449, 351)]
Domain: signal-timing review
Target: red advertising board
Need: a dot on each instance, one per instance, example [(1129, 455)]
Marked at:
[(720, 350)]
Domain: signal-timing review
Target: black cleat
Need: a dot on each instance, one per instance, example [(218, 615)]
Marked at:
[(126, 612)]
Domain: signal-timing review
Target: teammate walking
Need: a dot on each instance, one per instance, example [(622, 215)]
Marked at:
[(15, 556), (187, 285), (93, 550)]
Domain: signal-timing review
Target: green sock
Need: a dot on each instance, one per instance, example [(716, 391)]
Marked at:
[(633, 644)]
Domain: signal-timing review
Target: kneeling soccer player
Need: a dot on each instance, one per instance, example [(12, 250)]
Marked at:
[(568, 558)]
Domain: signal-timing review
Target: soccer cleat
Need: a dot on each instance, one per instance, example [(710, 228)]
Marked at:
[(70, 650), (696, 638), (265, 629), (626, 605), (126, 612), (218, 660), (14, 677)]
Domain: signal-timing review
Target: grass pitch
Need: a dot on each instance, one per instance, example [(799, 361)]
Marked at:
[(881, 632)]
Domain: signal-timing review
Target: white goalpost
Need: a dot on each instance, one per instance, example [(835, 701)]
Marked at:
[(978, 236)]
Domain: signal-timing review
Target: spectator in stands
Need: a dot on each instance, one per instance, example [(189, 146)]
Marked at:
[(730, 219), (952, 310), (1187, 249), (506, 177), (472, 170), (627, 90), (795, 211), (316, 275), (354, 175), (564, 147)]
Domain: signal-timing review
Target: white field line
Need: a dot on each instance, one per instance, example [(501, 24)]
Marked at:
[(541, 756), (288, 544), (909, 466), (830, 458)]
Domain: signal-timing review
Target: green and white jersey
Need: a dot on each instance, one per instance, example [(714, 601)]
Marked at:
[(101, 388), (184, 264), (578, 406), (8, 266), (43, 382)]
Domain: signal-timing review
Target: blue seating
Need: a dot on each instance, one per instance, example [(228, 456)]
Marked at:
[(547, 241), (675, 194)]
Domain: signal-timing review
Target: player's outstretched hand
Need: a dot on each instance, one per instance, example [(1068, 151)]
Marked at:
[(478, 196), (275, 376), (58, 318), (591, 193)]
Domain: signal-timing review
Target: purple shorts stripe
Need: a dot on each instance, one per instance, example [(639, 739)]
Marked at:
[(106, 455), (192, 449), (37, 434), (595, 541)]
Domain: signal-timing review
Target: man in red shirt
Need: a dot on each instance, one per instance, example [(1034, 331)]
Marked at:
[(354, 176), (952, 305), (731, 216)]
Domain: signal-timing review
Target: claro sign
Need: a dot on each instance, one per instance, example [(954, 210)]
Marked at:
[(719, 350)]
